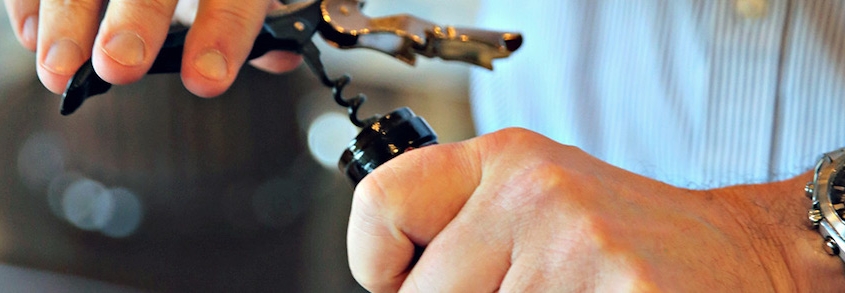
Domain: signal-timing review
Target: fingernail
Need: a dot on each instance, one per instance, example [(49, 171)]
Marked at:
[(126, 48), (30, 29), (211, 64), (63, 57)]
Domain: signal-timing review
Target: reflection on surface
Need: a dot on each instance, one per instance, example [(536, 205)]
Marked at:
[(90, 206), (87, 204), (150, 187), (83, 202), (126, 215), (40, 159)]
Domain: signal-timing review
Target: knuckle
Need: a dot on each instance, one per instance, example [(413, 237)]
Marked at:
[(525, 144), (383, 191), (598, 230), (516, 134), (369, 196), (240, 16), (71, 7), (633, 271), (544, 176), (532, 189), (162, 8), (508, 136), (374, 202), (634, 276), (545, 180)]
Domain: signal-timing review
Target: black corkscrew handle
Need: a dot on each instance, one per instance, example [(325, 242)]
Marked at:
[(386, 138)]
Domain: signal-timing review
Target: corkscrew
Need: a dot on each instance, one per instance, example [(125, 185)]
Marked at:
[(342, 24)]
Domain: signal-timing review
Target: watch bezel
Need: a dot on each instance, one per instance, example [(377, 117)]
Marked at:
[(831, 225)]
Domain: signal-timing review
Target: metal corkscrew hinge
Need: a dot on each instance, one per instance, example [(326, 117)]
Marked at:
[(341, 24)]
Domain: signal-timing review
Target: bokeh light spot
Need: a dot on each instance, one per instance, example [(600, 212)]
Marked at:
[(126, 216), (40, 159), (56, 191), (328, 136), (87, 204)]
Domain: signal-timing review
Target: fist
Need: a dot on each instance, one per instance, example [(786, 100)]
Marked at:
[(516, 212)]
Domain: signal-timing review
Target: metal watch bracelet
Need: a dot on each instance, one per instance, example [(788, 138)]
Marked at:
[(827, 190)]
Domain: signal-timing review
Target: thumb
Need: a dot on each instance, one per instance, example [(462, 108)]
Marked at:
[(404, 204)]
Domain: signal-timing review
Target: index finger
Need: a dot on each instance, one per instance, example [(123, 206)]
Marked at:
[(219, 42), (392, 210), (66, 31), (129, 38)]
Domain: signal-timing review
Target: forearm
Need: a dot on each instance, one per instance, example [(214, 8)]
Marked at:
[(773, 217)]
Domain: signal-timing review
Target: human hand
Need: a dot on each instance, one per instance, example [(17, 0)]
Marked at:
[(515, 212), (124, 44)]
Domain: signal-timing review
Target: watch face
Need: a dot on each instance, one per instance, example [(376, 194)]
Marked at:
[(837, 187)]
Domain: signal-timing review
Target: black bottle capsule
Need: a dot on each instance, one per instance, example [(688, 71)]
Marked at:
[(386, 138)]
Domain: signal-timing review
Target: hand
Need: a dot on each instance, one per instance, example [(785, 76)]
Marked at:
[(515, 212), (125, 43)]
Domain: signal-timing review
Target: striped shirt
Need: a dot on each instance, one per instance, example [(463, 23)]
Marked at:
[(695, 93)]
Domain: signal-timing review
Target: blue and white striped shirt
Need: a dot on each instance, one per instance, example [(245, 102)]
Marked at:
[(696, 93)]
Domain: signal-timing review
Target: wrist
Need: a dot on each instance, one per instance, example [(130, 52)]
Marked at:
[(776, 226)]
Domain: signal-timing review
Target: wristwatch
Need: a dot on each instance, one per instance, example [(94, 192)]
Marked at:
[(827, 191)]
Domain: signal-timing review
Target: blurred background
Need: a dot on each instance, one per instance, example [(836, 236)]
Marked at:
[(151, 189)]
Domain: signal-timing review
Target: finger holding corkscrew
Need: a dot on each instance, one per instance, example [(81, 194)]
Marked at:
[(342, 24)]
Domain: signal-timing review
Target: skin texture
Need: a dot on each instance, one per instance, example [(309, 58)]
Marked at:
[(123, 45), (516, 212)]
